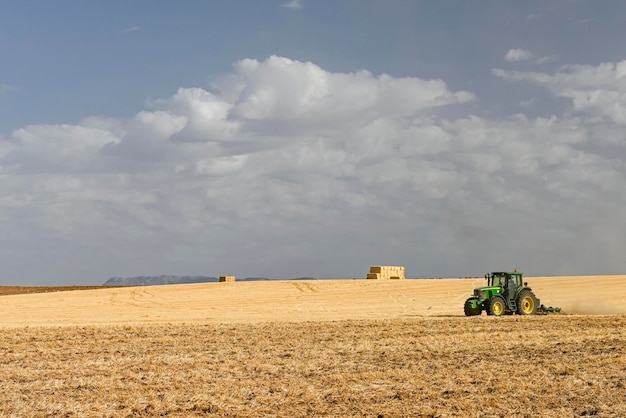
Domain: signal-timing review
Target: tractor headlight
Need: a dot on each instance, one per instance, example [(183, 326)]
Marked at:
[(480, 294)]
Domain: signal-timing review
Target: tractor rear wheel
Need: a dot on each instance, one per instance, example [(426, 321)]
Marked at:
[(497, 307), (526, 303), (470, 310)]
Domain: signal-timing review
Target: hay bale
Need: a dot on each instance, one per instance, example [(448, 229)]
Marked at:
[(227, 279), (386, 273)]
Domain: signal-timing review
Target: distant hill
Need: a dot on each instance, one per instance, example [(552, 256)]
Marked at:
[(156, 280), (169, 279)]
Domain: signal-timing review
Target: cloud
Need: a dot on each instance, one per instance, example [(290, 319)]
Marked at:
[(293, 4), (53, 148), (518, 54), (546, 58), (535, 77), (286, 169), (132, 29), (598, 91), (282, 89)]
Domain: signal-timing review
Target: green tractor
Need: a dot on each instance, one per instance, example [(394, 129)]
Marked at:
[(505, 294)]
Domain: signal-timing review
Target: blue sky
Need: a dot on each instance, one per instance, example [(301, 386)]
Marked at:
[(66, 60), (310, 138)]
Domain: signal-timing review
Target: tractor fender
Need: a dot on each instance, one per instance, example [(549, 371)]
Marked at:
[(521, 289)]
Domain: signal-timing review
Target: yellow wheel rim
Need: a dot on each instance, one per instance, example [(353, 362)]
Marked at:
[(528, 305), (498, 308)]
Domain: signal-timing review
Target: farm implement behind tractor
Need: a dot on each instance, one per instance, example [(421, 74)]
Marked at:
[(505, 294)]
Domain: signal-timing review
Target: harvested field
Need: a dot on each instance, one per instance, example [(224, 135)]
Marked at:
[(313, 348), (20, 290), (322, 300), (549, 366)]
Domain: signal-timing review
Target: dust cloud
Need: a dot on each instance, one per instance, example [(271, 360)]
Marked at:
[(588, 308)]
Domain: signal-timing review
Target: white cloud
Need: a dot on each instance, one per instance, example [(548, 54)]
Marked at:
[(518, 54), (206, 115), (538, 78), (287, 169), (54, 148), (596, 90), (280, 89), (546, 58), (293, 4)]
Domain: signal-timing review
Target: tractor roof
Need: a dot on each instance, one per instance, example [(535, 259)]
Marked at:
[(498, 273)]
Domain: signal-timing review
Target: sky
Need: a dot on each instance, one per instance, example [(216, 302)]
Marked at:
[(307, 138)]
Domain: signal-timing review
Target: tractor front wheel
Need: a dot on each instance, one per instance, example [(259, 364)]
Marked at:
[(471, 310), (497, 307), (526, 303)]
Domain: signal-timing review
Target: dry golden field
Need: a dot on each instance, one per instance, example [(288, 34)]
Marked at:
[(20, 290), (321, 300), (317, 348)]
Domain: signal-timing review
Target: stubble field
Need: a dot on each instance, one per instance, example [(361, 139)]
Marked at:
[(345, 348)]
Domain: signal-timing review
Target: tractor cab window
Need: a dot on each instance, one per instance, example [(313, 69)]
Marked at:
[(497, 281)]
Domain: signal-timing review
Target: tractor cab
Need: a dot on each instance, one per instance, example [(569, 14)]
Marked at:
[(504, 294), (500, 279)]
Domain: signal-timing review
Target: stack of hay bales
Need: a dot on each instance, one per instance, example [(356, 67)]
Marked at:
[(227, 279), (386, 273)]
